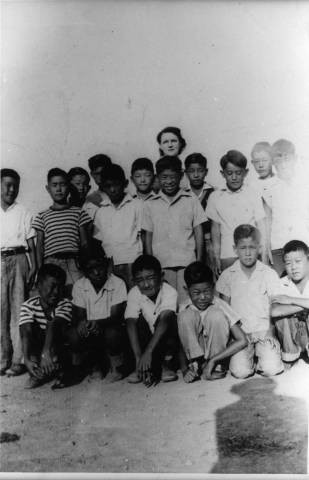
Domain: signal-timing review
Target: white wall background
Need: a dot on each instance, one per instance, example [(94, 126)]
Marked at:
[(83, 77)]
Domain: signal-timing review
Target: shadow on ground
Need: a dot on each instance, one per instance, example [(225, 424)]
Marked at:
[(262, 432)]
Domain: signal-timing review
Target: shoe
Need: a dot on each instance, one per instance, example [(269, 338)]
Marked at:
[(3, 371), (69, 378), (134, 378), (15, 370), (168, 375), (115, 374), (191, 374), (33, 382)]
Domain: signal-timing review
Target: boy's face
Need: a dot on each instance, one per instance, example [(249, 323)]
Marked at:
[(169, 182), (285, 165), (96, 175), (247, 250), (50, 290), (148, 282), (58, 189), (81, 185), (196, 174), (234, 176), (9, 190), (296, 265), (262, 163), (143, 180), (170, 144), (114, 189), (96, 271), (201, 294)]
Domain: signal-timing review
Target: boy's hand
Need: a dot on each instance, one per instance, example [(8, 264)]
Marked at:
[(33, 368), (217, 266), (82, 329), (144, 366), (282, 299), (208, 369), (48, 362)]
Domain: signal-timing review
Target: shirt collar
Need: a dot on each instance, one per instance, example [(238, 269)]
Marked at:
[(188, 304), (236, 267), (231, 192), (14, 204), (150, 195), (106, 202), (181, 193), (108, 285)]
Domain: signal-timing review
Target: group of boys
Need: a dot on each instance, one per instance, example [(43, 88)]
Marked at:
[(139, 284)]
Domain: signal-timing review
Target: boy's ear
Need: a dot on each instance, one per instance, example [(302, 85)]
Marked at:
[(235, 249), (246, 172), (47, 188), (222, 173)]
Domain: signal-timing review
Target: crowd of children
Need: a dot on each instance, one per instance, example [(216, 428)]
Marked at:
[(140, 280)]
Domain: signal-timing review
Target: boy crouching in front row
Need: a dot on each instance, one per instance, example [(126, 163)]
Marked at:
[(151, 323), (205, 324)]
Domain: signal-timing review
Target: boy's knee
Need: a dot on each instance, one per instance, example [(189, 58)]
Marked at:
[(241, 372)]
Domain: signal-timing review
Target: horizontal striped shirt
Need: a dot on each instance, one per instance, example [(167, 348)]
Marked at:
[(61, 229), (31, 311)]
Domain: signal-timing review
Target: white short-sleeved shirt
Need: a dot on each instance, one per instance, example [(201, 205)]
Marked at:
[(172, 225), (231, 209), (15, 226), (289, 204), (289, 288), (250, 297), (231, 316), (265, 186), (139, 304), (118, 228), (99, 304)]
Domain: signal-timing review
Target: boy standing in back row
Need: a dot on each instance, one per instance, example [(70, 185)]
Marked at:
[(17, 237), (172, 222)]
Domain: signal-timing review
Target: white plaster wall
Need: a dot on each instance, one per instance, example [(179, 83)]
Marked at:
[(83, 77)]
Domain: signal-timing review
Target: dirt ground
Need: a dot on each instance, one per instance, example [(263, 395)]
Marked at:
[(257, 425)]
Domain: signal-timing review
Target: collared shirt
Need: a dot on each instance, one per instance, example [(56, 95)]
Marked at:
[(206, 190), (231, 316), (99, 304), (265, 186), (15, 226), (289, 205), (289, 288), (139, 304), (93, 201), (172, 225), (150, 195), (118, 228), (32, 312), (231, 209), (250, 297)]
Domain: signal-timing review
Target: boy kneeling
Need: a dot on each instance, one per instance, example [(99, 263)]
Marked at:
[(205, 324), (151, 322), (44, 322), (99, 301)]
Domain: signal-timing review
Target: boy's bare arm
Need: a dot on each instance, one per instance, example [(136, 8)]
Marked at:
[(284, 306), (133, 337), (216, 246), (40, 248), (26, 334), (199, 242), (295, 301), (261, 226), (84, 237), (32, 255), (48, 353), (240, 341), (148, 243)]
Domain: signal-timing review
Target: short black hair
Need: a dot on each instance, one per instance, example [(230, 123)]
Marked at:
[(99, 160), (57, 172), (235, 157), (96, 253), (78, 171), (169, 163), (176, 131), (246, 231), (51, 270), (196, 158), (115, 173), (146, 262), (142, 164), (197, 272), (295, 246), (9, 172)]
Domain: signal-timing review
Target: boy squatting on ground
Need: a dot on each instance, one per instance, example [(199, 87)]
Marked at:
[(151, 323), (196, 171), (44, 323), (290, 307), (62, 232), (17, 277), (231, 206), (248, 286), (288, 206), (172, 221), (99, 301), (205, 324), (117, 223)]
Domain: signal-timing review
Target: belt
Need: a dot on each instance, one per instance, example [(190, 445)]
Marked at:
[(12, 251), (64, 255)]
